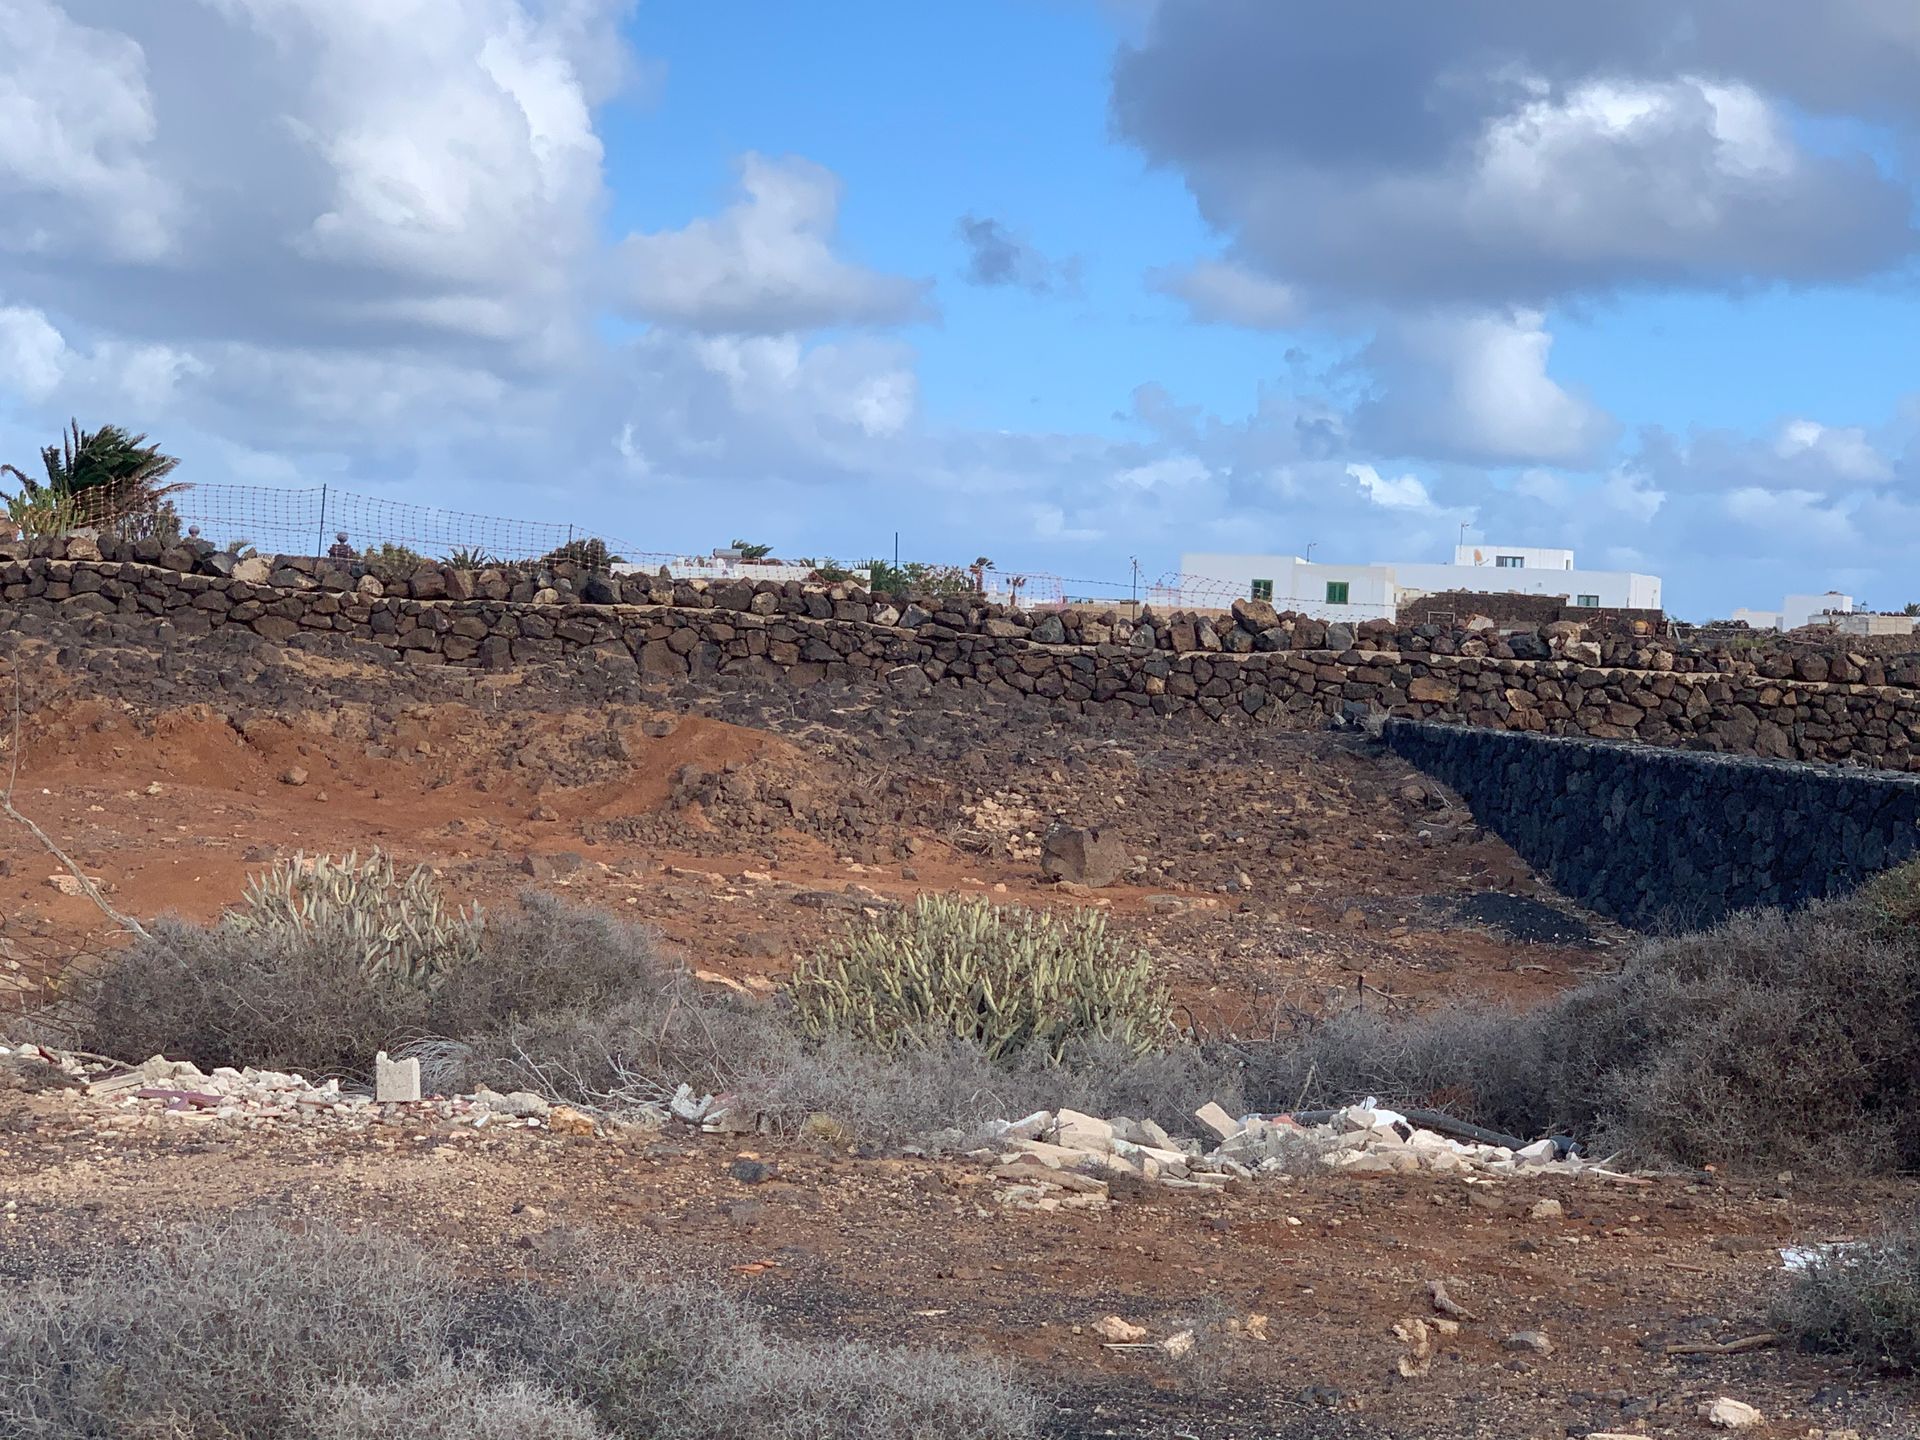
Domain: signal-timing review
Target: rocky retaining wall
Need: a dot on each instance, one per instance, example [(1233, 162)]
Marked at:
[(1668, 838), (803, 637)]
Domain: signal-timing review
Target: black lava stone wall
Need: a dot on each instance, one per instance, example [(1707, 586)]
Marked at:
[(1662, 838)]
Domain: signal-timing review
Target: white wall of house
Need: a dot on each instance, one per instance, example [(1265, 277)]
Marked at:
[(1801, 610), (1868, 624), (1369, 592), (1758, 619), (1516, 557), (1290, 583), (709, 567), (1376, 592)]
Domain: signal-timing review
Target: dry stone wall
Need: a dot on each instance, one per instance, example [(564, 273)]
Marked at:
[(1254, 667), (1666, 838)]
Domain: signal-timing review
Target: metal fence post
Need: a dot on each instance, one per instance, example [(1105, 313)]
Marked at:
[(321, 548)]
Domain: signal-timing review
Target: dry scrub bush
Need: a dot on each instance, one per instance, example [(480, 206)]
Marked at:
[(214, 1333), (468, 1403), (218, 996), (302, 997), (250, 1333), (684, 1364), (1861, 1300), (1004, 978), (1752, 1045), (944, 1093)]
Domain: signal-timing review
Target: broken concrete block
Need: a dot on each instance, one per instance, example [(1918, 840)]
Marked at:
[(1218, 1121), (1029, 1127), (1082, 1132), (1152, 1134), (1031, 1171), (395, 1080), (1116, 1331)]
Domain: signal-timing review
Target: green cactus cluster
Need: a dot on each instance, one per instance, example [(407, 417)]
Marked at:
[(405, 934), (1009, 979)]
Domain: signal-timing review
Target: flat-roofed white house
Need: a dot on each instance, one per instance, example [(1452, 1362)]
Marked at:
[(1797, 610), (1376, 592)]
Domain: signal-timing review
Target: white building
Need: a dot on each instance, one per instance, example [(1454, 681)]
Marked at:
[(722, 565), (1377, 591), (1797, 610)]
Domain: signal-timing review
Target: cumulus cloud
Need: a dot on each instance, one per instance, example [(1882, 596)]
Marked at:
[(1475, 387), (1402, 153), (73, 161), (33, 355), (764, 266), (996, 256)]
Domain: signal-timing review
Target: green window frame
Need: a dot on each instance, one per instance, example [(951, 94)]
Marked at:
[(1588, 602), (1336, 592), (1262, 590)]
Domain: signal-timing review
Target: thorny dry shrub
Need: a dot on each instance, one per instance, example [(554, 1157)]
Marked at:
[(449, 1400), (688, 1363), (213, 1332), (579, 1005), (1862, 1300), (294, 997), (251, 1333), (639, 1048), (1749, 1045)]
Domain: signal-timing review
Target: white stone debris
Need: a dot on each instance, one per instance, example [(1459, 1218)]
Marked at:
[(395, 1080), (179, 1092), (1062, 1150), (1726, 1414)]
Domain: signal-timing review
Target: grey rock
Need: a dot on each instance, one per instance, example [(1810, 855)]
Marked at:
[(1088, 856)]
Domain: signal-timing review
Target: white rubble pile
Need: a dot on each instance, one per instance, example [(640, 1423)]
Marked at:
[(177, 1090), (1066, 1150)]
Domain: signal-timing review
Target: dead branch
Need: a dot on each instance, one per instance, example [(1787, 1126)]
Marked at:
[(87, 887), (1724, 1347)]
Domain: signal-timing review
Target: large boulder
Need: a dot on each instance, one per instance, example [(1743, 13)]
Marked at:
[(1088, 856), (1255, 615)]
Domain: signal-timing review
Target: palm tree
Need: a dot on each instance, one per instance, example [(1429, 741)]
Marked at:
[(979, 568), (750, 551), (99, 475)]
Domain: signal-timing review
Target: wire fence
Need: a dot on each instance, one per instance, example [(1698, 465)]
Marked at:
[(322, 520)]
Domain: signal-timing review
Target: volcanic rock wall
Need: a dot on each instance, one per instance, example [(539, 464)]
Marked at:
[(1255, 668), (1660, 838)]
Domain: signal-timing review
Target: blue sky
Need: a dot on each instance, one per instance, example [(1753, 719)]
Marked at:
[(1059, 281)]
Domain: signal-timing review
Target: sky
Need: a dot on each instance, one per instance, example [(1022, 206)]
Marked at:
[(1073, 284)]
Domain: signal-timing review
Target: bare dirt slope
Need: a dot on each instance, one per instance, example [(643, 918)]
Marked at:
[(1276, 875)]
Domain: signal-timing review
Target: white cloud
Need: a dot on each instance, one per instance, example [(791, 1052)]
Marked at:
[(1476, 387), (765, 265), (1845, 453), (76, 118), (1806, 516), (1405, 492), (1172, 472), (33, 355), (1225, 293), (1513, 159)]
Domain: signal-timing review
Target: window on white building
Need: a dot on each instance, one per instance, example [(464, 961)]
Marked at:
[(1588, 602), (1510, 562), (1263, 590), (1336, 592)]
